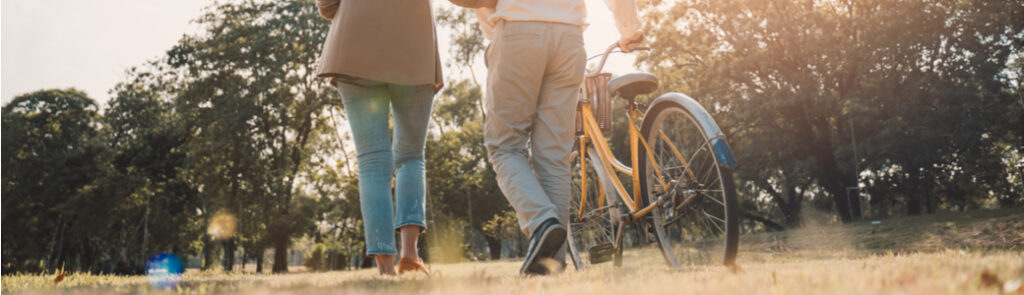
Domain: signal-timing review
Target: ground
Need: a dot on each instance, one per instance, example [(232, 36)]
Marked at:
[(978, 252)]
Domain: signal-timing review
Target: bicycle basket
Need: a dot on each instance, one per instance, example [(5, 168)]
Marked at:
[(595, 91)]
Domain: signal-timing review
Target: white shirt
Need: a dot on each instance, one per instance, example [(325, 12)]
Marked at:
[(572, 12)]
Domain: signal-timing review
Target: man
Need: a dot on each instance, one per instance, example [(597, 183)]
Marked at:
[(536, 64)]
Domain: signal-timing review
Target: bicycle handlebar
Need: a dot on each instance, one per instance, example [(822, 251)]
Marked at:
[(609, 51)]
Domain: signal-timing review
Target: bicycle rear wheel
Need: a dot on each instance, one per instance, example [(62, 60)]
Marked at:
[(592, 230), (691, 176)]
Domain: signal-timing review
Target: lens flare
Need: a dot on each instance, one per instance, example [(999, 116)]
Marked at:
[(222, 226), (164, 270)]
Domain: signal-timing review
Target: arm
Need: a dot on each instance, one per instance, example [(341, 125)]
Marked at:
[(483, 16), (627, 21), (327, 8)]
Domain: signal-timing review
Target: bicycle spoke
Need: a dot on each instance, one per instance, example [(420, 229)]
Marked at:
[(716, 201), (713, 229), (706, 223), (712, 184), (715, 218), (691, 180), (594, 228)]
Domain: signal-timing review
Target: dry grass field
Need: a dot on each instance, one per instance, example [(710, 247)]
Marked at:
[(980, 252)]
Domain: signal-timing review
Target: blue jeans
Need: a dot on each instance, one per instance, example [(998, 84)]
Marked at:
[(367, 104)]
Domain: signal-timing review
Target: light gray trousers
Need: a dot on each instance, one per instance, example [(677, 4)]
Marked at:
[(534, 72)]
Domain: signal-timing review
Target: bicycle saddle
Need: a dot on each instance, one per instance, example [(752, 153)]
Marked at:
[(630, 85)]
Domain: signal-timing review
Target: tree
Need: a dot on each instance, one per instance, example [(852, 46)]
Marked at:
[(794, 82), (149, 164), (339, 223), (252, 102), (462, 181), (53, 153)]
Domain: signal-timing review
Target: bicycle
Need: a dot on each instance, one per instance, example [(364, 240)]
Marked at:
[(673, 198)]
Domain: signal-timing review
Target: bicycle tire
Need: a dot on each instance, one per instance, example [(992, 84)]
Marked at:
[(716, 154)]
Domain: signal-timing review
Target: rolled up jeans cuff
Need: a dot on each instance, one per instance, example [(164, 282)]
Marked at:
[(421, 224), (381, 252)]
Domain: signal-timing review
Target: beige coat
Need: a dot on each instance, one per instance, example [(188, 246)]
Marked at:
[(390, 41)]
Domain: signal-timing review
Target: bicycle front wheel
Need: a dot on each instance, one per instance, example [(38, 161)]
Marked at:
[(689, 172)]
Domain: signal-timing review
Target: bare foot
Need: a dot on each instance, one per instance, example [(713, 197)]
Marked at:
[(385, 264)]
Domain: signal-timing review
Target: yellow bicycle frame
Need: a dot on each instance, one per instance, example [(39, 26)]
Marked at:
[(592, 133)]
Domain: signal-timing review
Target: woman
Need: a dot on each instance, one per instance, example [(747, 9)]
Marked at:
[(382, 55)]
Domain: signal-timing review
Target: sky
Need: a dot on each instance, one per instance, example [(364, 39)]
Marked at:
[(88, 44)]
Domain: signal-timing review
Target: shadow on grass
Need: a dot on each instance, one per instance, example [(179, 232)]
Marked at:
[(1001, 229)]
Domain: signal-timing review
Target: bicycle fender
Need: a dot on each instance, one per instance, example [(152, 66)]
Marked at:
[(722, 151)]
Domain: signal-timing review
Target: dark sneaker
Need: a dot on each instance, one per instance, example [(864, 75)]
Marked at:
[(546, 241)]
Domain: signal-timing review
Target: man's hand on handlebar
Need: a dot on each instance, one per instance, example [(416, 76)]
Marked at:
[(625, 45), (630, 43)]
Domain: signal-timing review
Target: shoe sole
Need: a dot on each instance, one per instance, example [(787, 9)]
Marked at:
[(550, 243)]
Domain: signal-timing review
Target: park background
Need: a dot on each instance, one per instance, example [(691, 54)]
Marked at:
[(228, 151)]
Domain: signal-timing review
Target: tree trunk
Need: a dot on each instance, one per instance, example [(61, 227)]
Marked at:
[(245, 256), (793, 207), (768, 224), (495, 247), (792, 213), (816, 136), (789, 201), (913, 194), (259, 259), (833, 183), (229, 254), (280, 254), (333, 260), (929, 201), (144, 253), (207, 253), (50, 261), (913, 204), (855, 206), (367, 262)]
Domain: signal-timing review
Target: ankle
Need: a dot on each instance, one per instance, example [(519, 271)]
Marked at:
[(385, 264), (410, 235)]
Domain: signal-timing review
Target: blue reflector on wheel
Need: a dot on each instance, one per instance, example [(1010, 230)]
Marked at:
[(723, 153)]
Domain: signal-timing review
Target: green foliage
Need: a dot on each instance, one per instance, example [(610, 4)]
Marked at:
[(467, 39), (228, 122), (252, 102), (505, 228), (339, 226), (234, 120), (461, 181), (920, 84), (447, 240), (149, 164), (54, 160)]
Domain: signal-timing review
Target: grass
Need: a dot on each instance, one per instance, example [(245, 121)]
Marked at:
[(977, 252)]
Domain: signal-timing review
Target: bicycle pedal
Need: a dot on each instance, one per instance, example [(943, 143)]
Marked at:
[(601, 253)]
